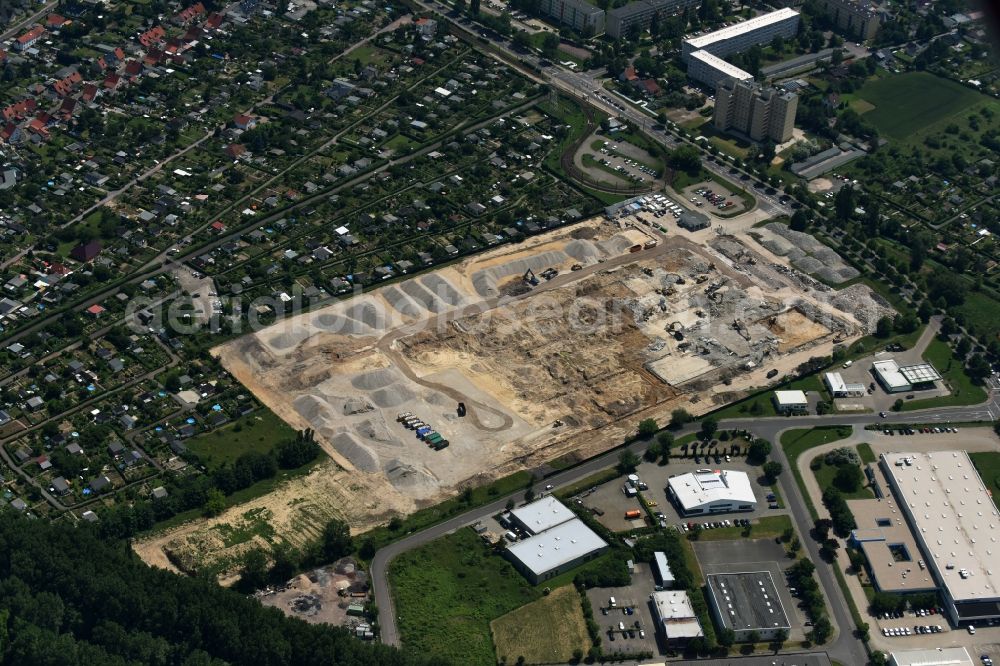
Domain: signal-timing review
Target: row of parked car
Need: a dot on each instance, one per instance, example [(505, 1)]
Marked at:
[(913, 431), (917, 629), (737, 522)]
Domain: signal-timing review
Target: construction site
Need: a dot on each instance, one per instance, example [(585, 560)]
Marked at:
[(555, 347)]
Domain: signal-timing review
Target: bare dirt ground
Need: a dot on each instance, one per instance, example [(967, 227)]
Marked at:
[(563, 369), (321, 596)]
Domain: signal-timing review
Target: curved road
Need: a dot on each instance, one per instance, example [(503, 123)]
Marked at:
[(845, 647)]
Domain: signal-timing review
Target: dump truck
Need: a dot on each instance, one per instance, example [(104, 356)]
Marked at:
[(423, 431), (433, 438), (443, 444), (632, 514)]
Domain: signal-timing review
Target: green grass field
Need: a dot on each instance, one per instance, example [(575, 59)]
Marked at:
[(260, 431), (866, 453), (963, 391), (447, 593), (912, 103), (798, 441), (988, 466), (531, 632), (824, 476)]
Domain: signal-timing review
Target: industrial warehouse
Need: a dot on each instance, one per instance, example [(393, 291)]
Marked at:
[(676, 617), (747, 603), (712, 491), (954, 521), (896, 378), (559, 540)]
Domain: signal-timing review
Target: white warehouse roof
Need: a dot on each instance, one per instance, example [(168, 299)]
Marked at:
[(791, 397), (721, 65), (708, 487), (952, 656), (543, 514), (888, 371), (955, 519), (556, 546), (676, 614), (742, 28)]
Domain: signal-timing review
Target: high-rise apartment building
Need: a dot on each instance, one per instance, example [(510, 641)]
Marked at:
[(760, 113), (853, 17), (580, 15)]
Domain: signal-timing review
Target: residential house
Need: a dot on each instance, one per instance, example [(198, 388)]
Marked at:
[(28, 39)]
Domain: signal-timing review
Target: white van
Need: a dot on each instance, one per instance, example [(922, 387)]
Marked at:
[(612, 603)]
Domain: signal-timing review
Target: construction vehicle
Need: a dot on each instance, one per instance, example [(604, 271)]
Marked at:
[(529, 278), (424, 431), (649, 245), (632, 514), (576, 267), (402, 417), (443, 444), (461, 409), (549, 273)]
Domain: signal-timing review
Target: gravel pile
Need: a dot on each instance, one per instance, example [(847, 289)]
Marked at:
[(808, 254)]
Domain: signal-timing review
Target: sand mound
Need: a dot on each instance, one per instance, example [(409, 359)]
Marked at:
[(357, 406), (393, 396), (367, 314), (401, 302), (442, 289), (375, 379), (486, 280), (336, 323), (288, 339), (376, 430), (312, 408), (583, 250), (617, 244), (403, 475), (422, 296), (356, 453)]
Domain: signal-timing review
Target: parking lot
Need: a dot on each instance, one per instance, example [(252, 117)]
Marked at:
[(747, 555), (714, 198), (639, 621)]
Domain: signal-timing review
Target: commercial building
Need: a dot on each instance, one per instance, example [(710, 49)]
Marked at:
[(663, 572), (747, 602), (676, 617), (896, 378), (621, 20), (895, 563), (855, 18), (541, 515), (741, 36), (580, 15), (557, 549), (712, 491), (692, 220), (712, 70), (957, 526), (790, 402), (758, 112), (950, 656), (839, 388)]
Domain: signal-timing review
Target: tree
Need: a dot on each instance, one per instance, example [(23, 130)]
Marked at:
[(336, 540), (709, 425), (253, 571), (678, 418), (883, 328), (753, 637), (799, 221), (687, 159), (844, 203), (772, 469), (627, 462), (653, 452), (758, 451), (648, 428), (550, 44), (725, 637), (215, 502)]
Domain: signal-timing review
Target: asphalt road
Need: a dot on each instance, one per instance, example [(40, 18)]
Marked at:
[(845, 647)]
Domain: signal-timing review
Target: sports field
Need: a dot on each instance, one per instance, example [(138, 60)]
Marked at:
[(531, 632), (913, 102)]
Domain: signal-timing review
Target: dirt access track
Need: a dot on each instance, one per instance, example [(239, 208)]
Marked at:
[(567, 367)]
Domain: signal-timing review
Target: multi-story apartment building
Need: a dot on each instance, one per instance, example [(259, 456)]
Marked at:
[(741, 36), (760, 113), (580, 15), (853, 17), (622, 19)]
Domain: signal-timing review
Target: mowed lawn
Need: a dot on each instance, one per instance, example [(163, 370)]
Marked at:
[(546, 631), (258, 431), (446, 594), (988, 466), (910, 103)]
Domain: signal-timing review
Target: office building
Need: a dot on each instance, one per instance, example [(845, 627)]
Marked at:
[(741, 36), (747, 603), (713, 70), (676, 618), (948, 656), (580, 15), (857, 19), (663, 572), (709, 491), (841, 389), (758, 112), (896, 378), (557, 549), (790, 402), (954, 521), (621, 20)]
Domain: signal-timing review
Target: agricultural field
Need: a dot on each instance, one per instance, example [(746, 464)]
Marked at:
[(449, 591), (530, 631)]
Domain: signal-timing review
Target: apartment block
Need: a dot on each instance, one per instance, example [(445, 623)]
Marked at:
[(741, 36), (760, 113), (622, 19), (854, 18), (710, 70), (580, 15)]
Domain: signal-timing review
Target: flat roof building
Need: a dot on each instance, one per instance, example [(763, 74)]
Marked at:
[(540, 515), (753, 110), (953, 519), (858, 19), (712, 491), (557, 549), (895, 378), (676, 617), (894, 559), (663, 571), (950, 656), (692, 220), (747, 602), (741, 36), (713, 70), (791, 402), (638, 15), (580, 15), (841, 389)]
